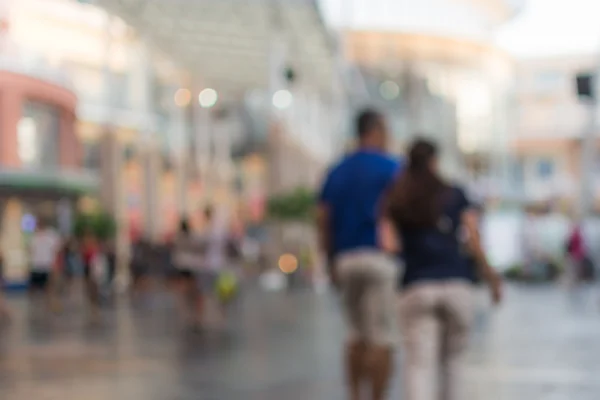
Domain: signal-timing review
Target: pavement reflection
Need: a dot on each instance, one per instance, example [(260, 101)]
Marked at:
[(285, 345)]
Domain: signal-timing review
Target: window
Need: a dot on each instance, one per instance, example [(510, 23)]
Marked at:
[(88, 82), (27, 141), (119, 92), (161, 96), (545, 168), (518, 172), (38, 136), (548, 81), (91, 155)]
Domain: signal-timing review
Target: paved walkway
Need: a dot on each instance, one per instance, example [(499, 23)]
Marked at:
[(282, 346)]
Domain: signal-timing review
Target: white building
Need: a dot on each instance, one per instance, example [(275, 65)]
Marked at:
[(551, 122), (459, 82)]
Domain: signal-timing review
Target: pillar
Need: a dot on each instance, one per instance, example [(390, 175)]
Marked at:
[(10, 115), (152, 175), (70, 151), (111, 182), (112, 196), (148, 145), (179, 146), (275, 135), (13, 245), (222, 164), (203, 134)]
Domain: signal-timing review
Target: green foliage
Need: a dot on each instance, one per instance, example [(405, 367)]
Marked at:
[(514, 273), (554, 269), (101, 224), (547, 271), (297, 205)]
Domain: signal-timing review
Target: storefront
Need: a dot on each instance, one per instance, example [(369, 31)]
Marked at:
[(25, 199), (40, 175)]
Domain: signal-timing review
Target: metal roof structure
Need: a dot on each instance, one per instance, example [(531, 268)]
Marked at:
[(227, 44)]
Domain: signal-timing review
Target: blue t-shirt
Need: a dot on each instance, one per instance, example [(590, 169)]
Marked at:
[(352, 191), (437, 253)]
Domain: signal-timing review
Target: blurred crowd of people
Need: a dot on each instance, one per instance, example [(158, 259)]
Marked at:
[(402, 244), (204, 265), (55, 263)]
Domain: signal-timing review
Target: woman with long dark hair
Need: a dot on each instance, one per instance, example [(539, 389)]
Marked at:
[(426, 215)]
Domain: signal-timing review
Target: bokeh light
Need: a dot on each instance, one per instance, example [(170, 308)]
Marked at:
[(182, 97), (389, 90), (282, 99), (288, 263), (208, 98)]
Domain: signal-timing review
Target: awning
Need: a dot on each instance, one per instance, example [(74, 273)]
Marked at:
[(59, 183), (226, 43)]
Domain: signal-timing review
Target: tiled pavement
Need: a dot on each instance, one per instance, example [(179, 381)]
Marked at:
[(283, 346)]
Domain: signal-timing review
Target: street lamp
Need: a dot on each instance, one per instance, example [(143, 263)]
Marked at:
[(282, 99), (389, 90), (208, 98), (182, 97)]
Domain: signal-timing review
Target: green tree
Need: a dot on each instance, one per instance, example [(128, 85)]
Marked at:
[(296, 205), (101, 224)]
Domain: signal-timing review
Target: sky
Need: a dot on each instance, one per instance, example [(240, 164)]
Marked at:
[(543, 28), (553, 27)]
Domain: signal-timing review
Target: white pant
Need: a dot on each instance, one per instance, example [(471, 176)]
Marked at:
[(435, 321)]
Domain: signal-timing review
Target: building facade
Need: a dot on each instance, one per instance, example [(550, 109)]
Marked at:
[(551, 122), (127, 126), (41, 171), (439, 70), (145, 128)]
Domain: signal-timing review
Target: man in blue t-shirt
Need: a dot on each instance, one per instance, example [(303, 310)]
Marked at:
[(347, 220)]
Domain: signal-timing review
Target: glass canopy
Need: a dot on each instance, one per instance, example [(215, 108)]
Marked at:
[(228, 43)]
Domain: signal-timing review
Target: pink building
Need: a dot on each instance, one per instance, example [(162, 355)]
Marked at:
[(51, 109), (40, 158)]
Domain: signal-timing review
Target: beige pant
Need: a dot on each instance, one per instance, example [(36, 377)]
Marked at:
[(435, 320), (368, 280)]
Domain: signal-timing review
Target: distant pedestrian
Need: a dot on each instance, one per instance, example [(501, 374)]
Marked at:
[(576, 251), (93, 263), (44, 248), (70, 261), (187, 258), (4, 310), (108, 283), (576, 263), (139, 266)]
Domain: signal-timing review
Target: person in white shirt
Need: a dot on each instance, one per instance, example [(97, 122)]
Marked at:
[(44, 246), (217, 243), (216, 236), (200, 259), (186, 258)]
